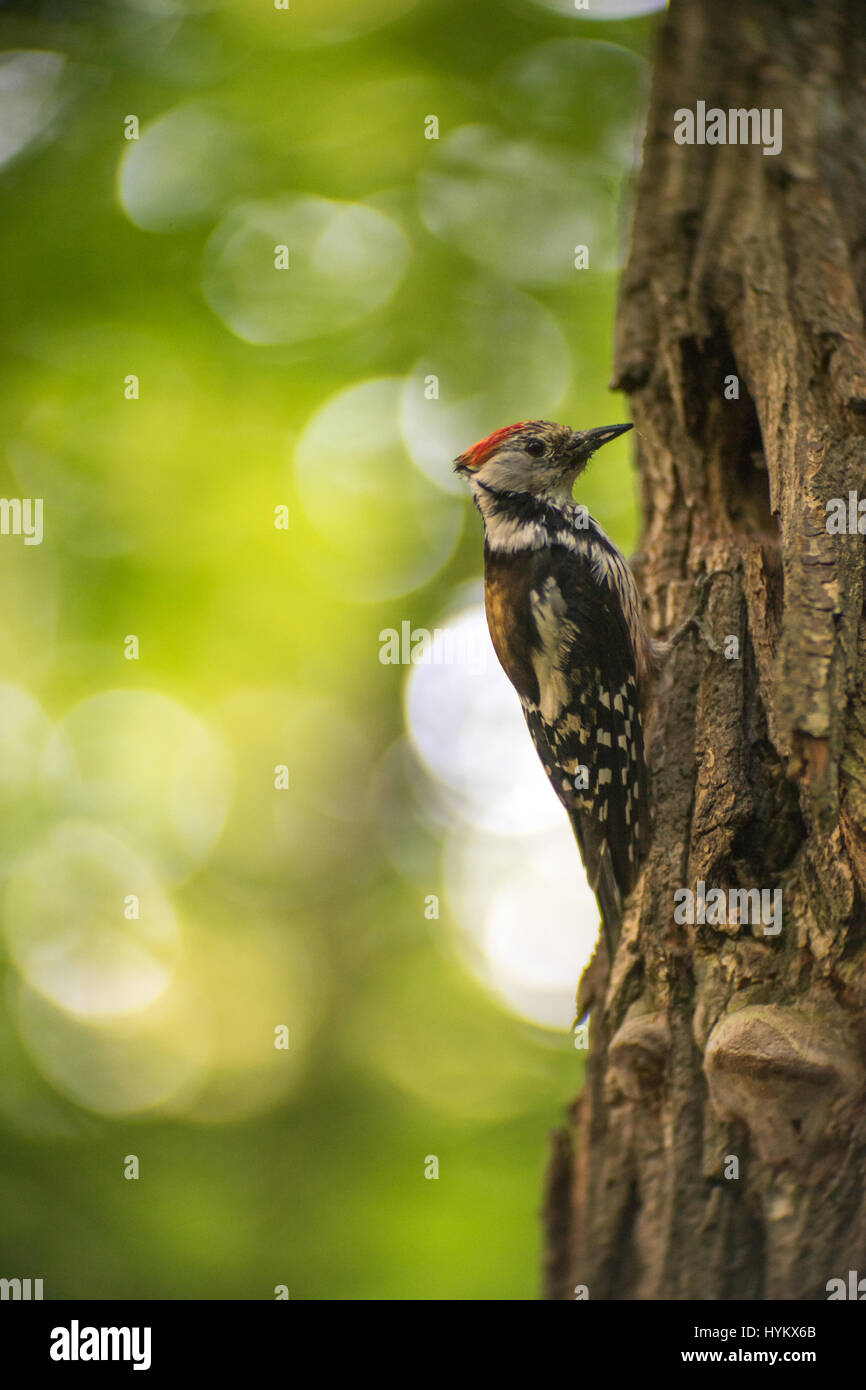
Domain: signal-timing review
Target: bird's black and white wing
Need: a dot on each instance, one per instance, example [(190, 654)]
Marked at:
[(563, 641)]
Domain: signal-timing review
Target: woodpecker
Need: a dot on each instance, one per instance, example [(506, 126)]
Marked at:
[(566, 622)]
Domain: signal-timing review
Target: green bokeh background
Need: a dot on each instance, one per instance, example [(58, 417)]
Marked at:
[(262, 1167)]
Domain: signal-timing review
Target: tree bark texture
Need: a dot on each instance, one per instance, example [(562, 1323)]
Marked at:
[(719, 1042)]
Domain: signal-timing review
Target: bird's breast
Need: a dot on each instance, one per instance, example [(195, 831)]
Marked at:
[(508, 583)]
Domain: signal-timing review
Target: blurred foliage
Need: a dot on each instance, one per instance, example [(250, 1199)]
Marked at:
[(259, 387)]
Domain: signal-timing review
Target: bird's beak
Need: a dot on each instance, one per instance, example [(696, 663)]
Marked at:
[(587, 441)]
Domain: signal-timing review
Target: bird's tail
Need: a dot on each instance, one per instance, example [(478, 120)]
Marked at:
[(603, 882)]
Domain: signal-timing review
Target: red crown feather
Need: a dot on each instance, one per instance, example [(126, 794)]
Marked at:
[(477, 453)]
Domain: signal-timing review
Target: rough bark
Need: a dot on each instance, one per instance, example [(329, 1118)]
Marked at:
[(711, 1041)]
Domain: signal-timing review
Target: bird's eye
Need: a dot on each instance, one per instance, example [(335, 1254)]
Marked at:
[(535, 447)]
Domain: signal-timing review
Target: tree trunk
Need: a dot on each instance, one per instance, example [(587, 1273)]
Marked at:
[(718, 1150)]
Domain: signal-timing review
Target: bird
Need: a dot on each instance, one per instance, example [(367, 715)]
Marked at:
[(567, 626)]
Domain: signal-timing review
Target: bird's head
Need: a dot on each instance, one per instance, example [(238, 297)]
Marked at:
[(535, 457)]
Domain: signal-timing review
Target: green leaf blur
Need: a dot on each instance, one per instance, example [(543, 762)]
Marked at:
[(151, 774)]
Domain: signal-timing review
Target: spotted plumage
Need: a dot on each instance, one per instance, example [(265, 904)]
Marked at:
[(566, 623)]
